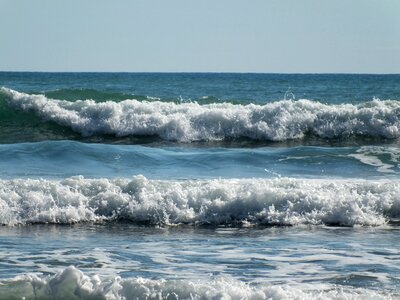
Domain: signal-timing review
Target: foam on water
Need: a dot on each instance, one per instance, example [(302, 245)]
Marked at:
[(186, 122), (281, 201), (375, 155), (71, 283)]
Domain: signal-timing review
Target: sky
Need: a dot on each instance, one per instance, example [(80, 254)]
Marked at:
[(263, 36)]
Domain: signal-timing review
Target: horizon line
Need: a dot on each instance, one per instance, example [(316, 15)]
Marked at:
[(204, 72)]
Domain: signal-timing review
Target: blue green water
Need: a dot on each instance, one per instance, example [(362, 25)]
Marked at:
[(199, 186)]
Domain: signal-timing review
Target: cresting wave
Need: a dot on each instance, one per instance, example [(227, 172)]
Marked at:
[(228, 202), (186, 122), (71, 283)]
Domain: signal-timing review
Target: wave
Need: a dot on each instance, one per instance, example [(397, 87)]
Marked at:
[(188, 122), (227, 202), (100, 96), (71, 283), (73, 94)]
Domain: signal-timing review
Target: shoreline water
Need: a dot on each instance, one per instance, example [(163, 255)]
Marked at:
[(118, 260)]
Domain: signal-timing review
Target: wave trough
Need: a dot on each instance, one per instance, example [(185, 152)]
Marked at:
[(187, 122)]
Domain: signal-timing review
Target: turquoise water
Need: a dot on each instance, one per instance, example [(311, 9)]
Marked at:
[(199, 186)]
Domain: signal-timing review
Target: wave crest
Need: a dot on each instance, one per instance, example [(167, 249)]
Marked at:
[(186, 122), (230, 202)]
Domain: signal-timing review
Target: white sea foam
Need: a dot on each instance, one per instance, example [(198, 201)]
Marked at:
[(281, 201), (71, 283), (187, 122), (374, 155)]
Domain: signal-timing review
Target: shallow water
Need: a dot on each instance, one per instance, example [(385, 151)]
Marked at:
[(301, 257)]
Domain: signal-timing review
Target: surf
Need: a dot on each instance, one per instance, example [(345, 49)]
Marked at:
[(215, 202), (190, 122), (71, 283)]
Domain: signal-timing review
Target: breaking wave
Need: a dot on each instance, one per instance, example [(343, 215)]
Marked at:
[(188, 122), (226, 202), (71, 283)]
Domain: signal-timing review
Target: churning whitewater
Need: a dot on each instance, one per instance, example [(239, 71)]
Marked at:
[(230, 202), (71, 283), (187, 122)]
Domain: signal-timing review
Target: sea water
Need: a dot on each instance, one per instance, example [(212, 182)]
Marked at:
[(199, 186)]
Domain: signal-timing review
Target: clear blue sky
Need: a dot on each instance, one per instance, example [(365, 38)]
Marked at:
[(306, 36)]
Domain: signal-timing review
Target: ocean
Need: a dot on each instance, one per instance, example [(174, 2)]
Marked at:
[(199, 186)]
